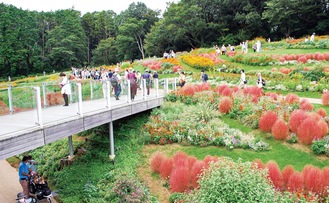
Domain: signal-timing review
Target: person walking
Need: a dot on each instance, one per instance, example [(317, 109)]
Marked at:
[(116, 83), (65, 88), (133, 85), (243, 81), (104, 79), (182, 79), (204, 76), (147, 77), (260, 80), (23, 174)]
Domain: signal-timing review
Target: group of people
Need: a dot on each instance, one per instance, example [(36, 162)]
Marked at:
[(167, 55), (182, 78), (223, 49), (26, 169), (243, 81)]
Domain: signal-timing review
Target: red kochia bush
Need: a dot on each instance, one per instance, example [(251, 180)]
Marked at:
[(253, 91), (208, 159), (326, 56), (325, 173), (273, 95), (322, 112), (188, 90), (274, 174), (325, 99), (180, 159), (225, 105), (286, 173), (191, 161), (292, 98), (227, 92), (222, 88), (156, 161), (166, 167), (267, 121), (314, 180), (180, 179), (197, 169), (258, 163), (280, 130), (302, 59), (296, 118), (295, 182), (306, 130), (306, 105)]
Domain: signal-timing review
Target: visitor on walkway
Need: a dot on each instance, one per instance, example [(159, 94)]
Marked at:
[(23, 174), (132, 78), (104, 79), (147, 77), (65, 88), (116, 85)]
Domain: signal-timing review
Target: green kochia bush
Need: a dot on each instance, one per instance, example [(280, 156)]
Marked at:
[(226, 181)]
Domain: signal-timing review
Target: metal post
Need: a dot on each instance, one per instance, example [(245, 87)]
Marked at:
[(38, 100), (80, 112), (145, 89), (70, 145), (44, 95), (166, 83), (128, 92), (91, 90), (112, 155), (175, 84), (108, 98), (10, 100), (156, 85)]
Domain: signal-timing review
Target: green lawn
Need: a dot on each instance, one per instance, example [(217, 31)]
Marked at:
[(282, 152)]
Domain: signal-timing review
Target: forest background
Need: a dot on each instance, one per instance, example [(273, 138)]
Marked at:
[(32, 42)]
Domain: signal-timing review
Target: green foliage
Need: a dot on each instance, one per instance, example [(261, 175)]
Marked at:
[(321, 146), (226, 181), (176, 197)]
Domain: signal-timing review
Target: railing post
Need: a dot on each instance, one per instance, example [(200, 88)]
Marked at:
[(145, 89), (10, 99), (156, 86), (44, 95), (175, 84), (108, 97), (80, 112), (91, 90), (128, 92), (167, 86), (38, 100), (70, 145), (112, 155)]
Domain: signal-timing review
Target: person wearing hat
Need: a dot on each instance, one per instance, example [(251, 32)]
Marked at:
[(23, 174), (65, 88)]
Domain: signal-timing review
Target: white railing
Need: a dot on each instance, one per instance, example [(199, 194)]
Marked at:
[(48, 94)]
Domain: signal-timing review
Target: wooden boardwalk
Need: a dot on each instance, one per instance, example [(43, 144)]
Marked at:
[(19, 131)]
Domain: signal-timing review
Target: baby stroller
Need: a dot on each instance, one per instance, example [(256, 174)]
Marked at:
[(39, 187)]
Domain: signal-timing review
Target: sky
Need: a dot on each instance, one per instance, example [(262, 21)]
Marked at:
[(84, 5)]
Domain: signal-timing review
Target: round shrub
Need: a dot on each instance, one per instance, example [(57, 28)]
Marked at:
[(320, 57), (325, 99), (302, 59), (322, 129), (280, 130), (306, 105), (222, 88), (267, 121), (325, 172), (209, 159), (225, 105), (180, 159), (272, 95), (322, 112), (274, 174), (314, 181), (292, 98), (326, 56), (180, 179), (188, 90), (286, 173), (166, 168), (306, 131), (156, 161), (226, 181), (227, 92), (258, 164), (295, 182), (197, 169), (296, 118)]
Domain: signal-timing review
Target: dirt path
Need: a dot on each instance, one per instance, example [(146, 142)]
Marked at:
[(9, 184)]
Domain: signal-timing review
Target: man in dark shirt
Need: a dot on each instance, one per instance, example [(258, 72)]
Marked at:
[(147, 77)]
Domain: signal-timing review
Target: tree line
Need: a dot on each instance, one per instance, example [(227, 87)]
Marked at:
[(33, 42)]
